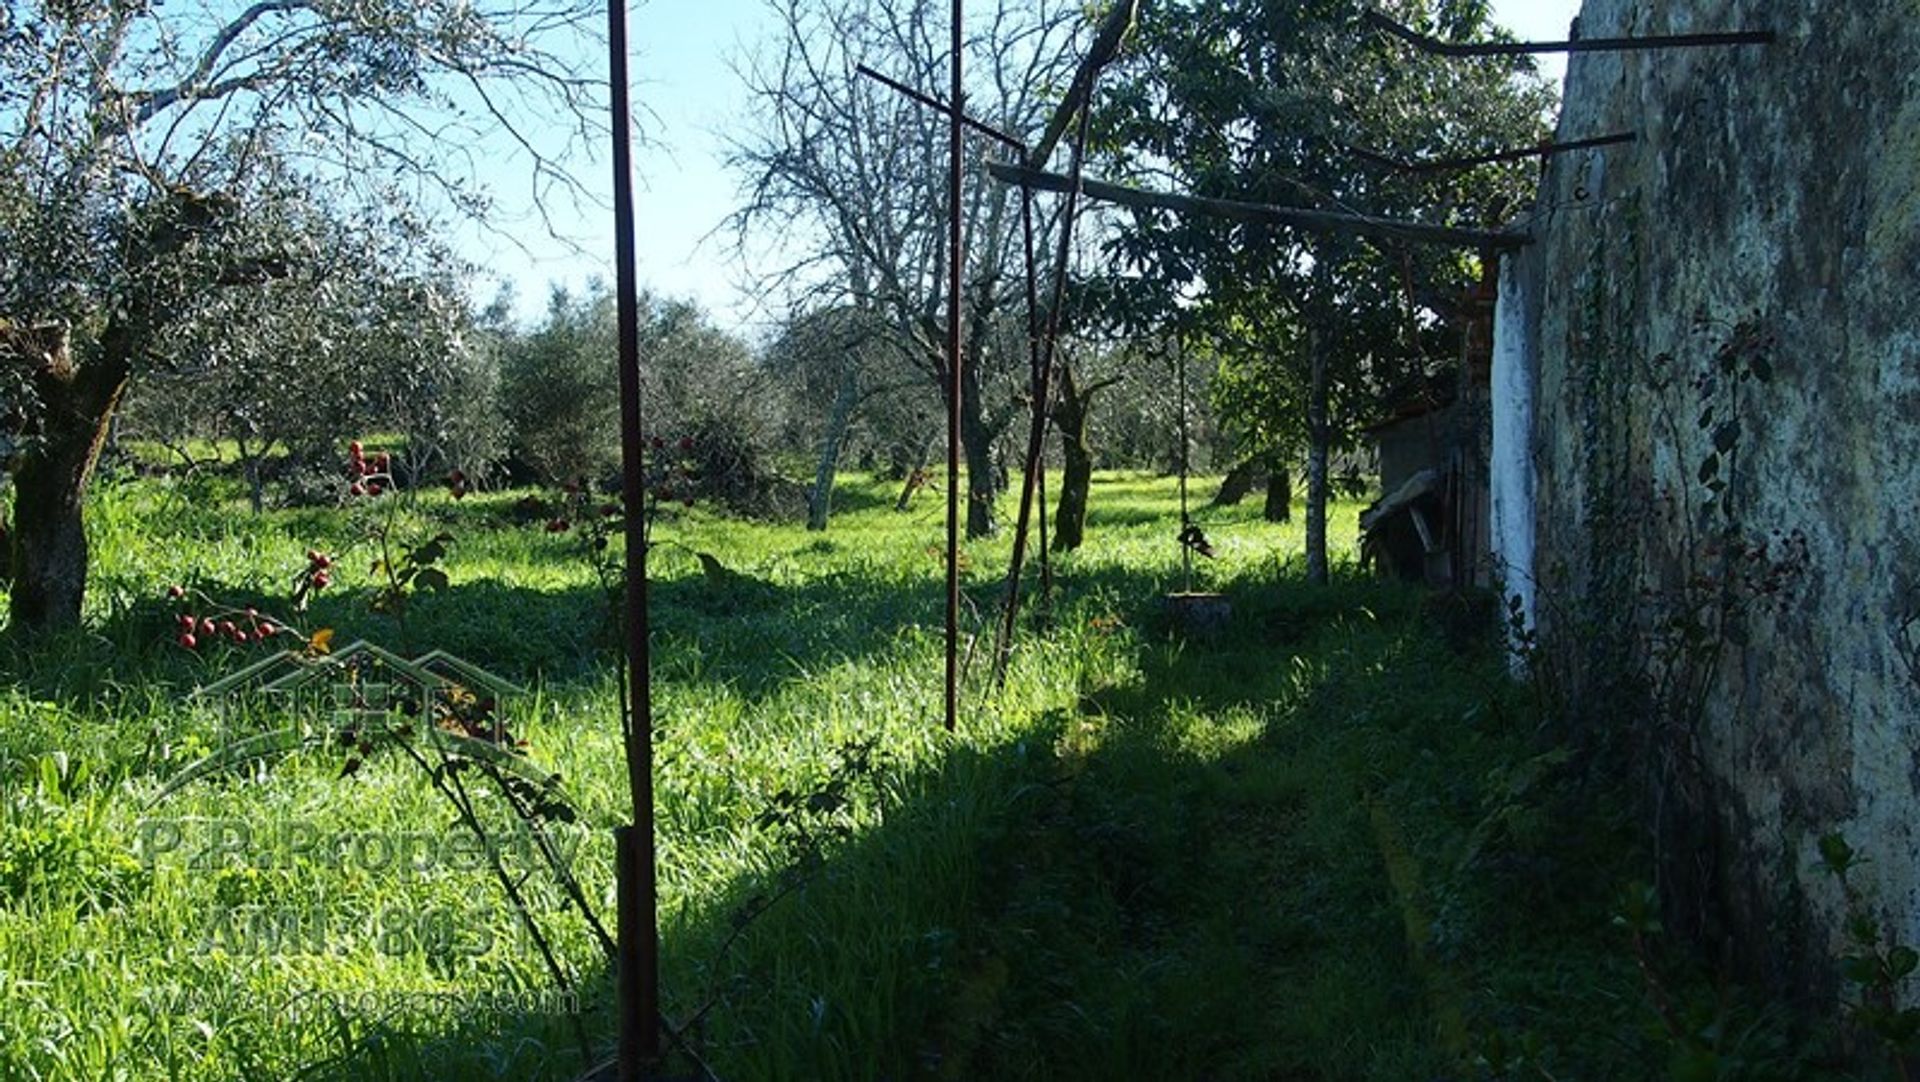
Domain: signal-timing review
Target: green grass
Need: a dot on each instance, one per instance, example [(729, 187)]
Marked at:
[(1307, 850)]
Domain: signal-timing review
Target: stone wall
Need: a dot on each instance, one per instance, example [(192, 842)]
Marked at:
[(1755, 254)]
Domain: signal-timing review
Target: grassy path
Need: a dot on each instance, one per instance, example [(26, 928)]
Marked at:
[(1204, 894)]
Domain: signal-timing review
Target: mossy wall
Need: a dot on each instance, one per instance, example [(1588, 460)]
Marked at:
[(1724, 324)]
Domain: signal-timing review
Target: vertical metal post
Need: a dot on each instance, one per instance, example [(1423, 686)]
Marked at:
[(638, 988), (1036, 437), (956, 265), (1035, 482), (1186, 519)]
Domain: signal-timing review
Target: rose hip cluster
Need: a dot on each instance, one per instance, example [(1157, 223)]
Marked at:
[(196, 631), (319, 569), (369, 475)]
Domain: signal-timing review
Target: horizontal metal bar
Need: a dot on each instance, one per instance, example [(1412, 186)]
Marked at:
[(1441, 165), (941, 107), (1578, 45), (1320, 221)]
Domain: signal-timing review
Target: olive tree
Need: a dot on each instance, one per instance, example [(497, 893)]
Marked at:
[(559, 393), (142, 147)]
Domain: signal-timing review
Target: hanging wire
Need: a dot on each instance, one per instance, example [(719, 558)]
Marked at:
[(1192, 538)]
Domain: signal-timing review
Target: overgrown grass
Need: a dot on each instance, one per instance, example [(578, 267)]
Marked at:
[(1323, 846)]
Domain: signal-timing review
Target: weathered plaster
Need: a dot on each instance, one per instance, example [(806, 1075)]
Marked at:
[(1510, 470), (1779, 185)]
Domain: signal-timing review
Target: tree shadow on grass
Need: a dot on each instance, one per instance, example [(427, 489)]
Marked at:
[(1125, 888), (840, 976)]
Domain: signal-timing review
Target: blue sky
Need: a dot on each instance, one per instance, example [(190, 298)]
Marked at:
[(685, 83)]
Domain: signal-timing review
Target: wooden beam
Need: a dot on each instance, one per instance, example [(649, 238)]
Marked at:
[(1317, 221), (1106, 45)]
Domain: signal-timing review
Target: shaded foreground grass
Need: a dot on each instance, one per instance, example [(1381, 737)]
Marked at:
[(1320, 847)]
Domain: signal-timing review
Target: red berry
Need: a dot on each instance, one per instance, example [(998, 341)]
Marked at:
[(356, 489), (187, 640), (176, 592), (267, 631), (206, 625), (227, 628), (658, 443), (558, 525), (354, 448), (686, 443), (252, 614), (373, 488), (688, 501), (321, 579), (188, 621), (385, 462)]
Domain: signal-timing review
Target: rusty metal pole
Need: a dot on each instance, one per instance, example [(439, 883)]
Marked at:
[(956, 264), (638, 988), (1036, 436), (1047, 338)]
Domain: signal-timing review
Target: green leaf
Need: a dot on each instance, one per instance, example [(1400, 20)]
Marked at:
[(1836, 854), (1901, 961), (50, 772), (1709, 468), (430, 578), (1863, 928), (1859, 969), (1726, 436)]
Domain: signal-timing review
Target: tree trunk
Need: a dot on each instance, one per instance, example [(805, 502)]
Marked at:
[(1319, 436), (49, 558), (1238, 483), (917, 475), (250, 462), (1279, 506), (1070, 417), (820, 500), (976, 443)]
